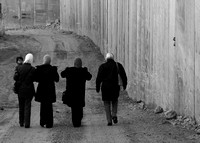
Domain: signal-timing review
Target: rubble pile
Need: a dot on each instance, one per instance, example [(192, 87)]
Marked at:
[(54, 25), (141, 105), (187, 122), (170, 115), (174, 119), (158, 110), (51, 25)]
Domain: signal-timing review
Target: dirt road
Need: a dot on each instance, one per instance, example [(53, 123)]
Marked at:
[(135, 125)]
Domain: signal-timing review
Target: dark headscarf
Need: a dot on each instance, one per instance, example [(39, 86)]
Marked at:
[(47, 60), (78, 63), (19, 58)]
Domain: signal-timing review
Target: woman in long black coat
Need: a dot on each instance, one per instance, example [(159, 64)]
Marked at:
[(24, 74), (46, 75), (75, 89)]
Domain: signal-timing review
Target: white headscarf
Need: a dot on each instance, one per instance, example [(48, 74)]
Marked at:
[(109, 56), (29, 58)]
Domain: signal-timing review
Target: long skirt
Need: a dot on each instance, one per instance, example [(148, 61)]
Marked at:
[(46, 114), (77, 115)]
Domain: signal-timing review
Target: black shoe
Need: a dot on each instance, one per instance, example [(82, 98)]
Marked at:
[(77, 125), (42, 125), (115, 121), (109, 124), (27, 126), (21, 125), (49, 126)]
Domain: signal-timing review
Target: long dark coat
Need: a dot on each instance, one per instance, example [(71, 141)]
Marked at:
[(107, 80), (75, 85), (25, 75), (46, 76)]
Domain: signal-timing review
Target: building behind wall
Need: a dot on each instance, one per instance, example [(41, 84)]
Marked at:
[(22, 13), (2, 30)]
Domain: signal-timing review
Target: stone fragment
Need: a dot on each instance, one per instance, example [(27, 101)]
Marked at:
[(174, 123), (158, 110), (194, 137), (57, 111), (198, 132), (142, 105), (138, 101), (170, 115), (179, 118)]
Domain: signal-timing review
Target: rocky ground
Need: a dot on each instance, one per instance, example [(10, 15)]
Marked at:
[(136, 123)]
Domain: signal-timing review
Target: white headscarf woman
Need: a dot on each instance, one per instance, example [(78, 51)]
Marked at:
[(29, 58), (26, 90)]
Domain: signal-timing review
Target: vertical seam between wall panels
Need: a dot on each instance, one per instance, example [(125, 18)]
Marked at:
[(194, 59), (111, 24), (136, 51), (125, 27), (128, 63), (152, 69), (168, 45), (149, 65), (107, 27), (117, 46), (151, 49), (153, 54)]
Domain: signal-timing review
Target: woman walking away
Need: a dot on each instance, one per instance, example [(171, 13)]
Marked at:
[(46, 76), (75, 89), (107, 80), (19, 62), (25, 76)]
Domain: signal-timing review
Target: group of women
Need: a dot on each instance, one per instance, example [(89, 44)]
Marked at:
[(46, 75)]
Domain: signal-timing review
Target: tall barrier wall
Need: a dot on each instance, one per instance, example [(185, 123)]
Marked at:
[(156, 40)]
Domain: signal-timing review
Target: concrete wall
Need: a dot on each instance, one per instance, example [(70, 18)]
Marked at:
[(197, 59), (140, 33)]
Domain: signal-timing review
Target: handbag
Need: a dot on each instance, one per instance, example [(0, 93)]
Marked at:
[(16, 87), (17, 84), (120, 82), (66, 98)]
